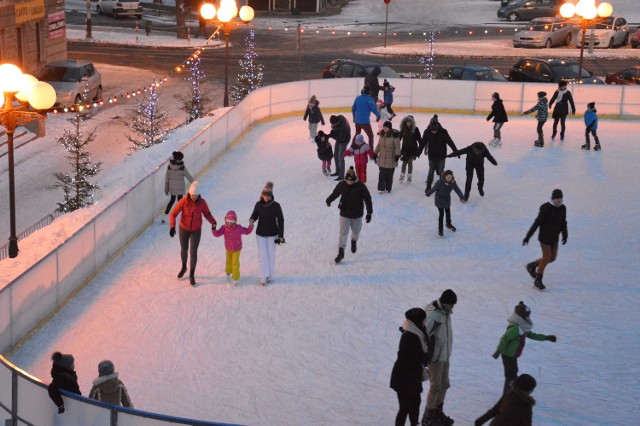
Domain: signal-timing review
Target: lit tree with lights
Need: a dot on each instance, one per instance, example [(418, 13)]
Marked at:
[(251, 72), (429, 59), (148, 121), (196, 103), (78, 191)]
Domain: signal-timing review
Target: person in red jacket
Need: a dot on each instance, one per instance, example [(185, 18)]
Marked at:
[(232, 243), (192, 208)]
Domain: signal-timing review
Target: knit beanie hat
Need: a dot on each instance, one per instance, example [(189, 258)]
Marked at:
[(334, 119), (522, 310), (359, 138), (268, 189), (562, 83), (177, 155), (525, 383), (231, 216), (313, 100), (591, 105), (193, 189), (434, 123), (105, 368), (496, 95), (388, 125), (351, 175), (416, 315), (63, 360), (365, 90), (449, 297), (542, 94), (385, 83), (557, 193)]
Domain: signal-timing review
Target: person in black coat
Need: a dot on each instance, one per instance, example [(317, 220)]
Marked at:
[(64, 377), (476, 153), (371, 81), (325, 152), (410, 140), (562, 98), (408, 371), (341, 133), (434, 142), (354, 196), (552, 221), (515, 407), (499, 115), (269, 232)]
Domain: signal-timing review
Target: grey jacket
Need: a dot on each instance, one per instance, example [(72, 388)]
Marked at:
[(174, 178), (439, 332), (443, 193)]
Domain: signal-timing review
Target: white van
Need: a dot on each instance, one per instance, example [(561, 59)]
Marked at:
[(118, 8)]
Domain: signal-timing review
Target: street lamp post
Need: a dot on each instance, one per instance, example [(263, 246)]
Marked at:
[(588, 13), (25, 90), (224, 17)]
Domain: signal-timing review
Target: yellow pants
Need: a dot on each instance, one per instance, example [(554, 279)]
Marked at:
[(233, 264)]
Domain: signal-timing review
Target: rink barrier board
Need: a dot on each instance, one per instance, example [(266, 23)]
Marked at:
[(41, 290)]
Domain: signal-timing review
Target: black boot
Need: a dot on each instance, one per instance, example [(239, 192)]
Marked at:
[(596, 147), (431, 418), (531, 269), (444, 419), (192, 277), (586, 146), (440, 232), (481, 191), (340, 255), (182, 271), (538, 282), (354, 246), (451, 228)]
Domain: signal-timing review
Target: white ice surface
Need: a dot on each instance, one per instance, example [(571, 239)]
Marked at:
[(317, 346)]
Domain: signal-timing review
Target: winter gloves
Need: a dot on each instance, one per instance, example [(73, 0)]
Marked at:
[(367, 218), (172, 232), (280, 240), (525, 241), (61, 409), (552, 338), (564, 241), (496, 354), (328, 203), (397, 157)]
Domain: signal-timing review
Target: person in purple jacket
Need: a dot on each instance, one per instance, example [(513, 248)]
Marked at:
[(232, 243)]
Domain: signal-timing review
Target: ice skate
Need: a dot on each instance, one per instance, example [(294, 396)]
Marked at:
[(409, 178), (451, 228), (182, 271), (444, 419), (440, 232), (538, 143), (340, 255), (325, 172), (354, 246), (431, 418), (531, 269), (538, 282), (498, 143), (597, 147), (401, 177), (263, 281), (164, 218), (586, 146), (192, 278), (481, 191), (268, 280)]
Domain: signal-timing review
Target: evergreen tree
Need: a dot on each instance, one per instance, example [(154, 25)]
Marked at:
[(78, 191), (251, 72), (429, 59), (196, 103), (148, 121)]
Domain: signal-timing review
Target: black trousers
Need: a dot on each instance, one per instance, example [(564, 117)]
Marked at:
[(385, 179), (479, 169), (442, 212), (595, 136), (562, 120), (409, 406), (510, 371), (189, 242), (171, 201)]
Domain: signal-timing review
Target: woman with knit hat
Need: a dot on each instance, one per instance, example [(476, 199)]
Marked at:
[(191, 210), (387, 154), (64, 377), (107, 387), (513, 340), (314, 115), (269, 232), (174, 180), (515, 407)]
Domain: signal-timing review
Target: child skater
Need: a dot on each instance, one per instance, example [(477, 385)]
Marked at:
[(315, 116), (476, 153), (174, 181), (591, 121), (388, 90), (232, 243), (325, 152), (443, 189), (385, 114), (499, 115), (360, 151), (542, 113)]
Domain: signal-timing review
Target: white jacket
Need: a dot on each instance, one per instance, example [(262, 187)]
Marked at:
[(439, 325)]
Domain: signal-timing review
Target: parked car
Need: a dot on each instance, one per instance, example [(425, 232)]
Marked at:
[(626, 76), (635, 39), (608, 33), (74, 81), (118, 8), (524, 10), (345, 68), (544, 32), (472, 72), (550, 71)]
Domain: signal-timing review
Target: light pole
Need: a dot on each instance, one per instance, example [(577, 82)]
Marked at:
[(588, 13), (25, 90), (225, 18)]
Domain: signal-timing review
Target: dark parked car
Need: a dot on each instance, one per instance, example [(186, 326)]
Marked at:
[(345, 68), (472, 72), (550, 71), (626, 76), (524, 10), (635, 38)]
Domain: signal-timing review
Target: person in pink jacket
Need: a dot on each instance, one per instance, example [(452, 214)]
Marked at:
[(191, 209), (232, 243), (360, 151)]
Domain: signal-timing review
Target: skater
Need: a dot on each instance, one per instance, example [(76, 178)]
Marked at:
[(552, 220), (354, 196), (371, 81), (64, 377), (513, 340), (434, 142), (361, 152), (563, 98), (409, 369), (385, 115), (515, 407), (315, 116), (542, 112), (591, 121), (174, 180), (387, 95), (476, 153), (232, 243), (410, 148), (325, 152), (440, 341), (269, 233), (107, 387), (341, 133), (362, 108), (443, 189), (192, 208), (499, 115), (388, 154)]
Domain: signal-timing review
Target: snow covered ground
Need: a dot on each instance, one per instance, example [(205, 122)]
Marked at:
[(317, 346)]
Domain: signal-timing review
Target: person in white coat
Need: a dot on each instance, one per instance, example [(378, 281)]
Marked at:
[(269, 232)]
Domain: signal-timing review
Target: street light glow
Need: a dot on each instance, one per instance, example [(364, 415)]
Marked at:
[(567, 10), (27, 81), (208, 11), (246, 13), (605, 10), (10, 78), (41, 95)]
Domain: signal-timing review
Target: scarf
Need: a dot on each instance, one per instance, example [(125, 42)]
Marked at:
[(561, 94), (525, 325), (411, 327)]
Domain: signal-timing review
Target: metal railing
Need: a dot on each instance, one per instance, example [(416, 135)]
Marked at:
[(4, 250)]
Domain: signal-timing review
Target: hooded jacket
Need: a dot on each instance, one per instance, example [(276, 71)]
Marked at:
[(362, 108), (439, 332), (552, 221), (174, 178), (191, 213), (111, 390), (498, 113), (443, 193), (541, 108), (410, 137), (63, 378), (360, 150), (353, 198), (564, 98), (515, 408), (513, 340), (591, 119), (314, 114), (341, 131), (324, 149), (388, 150), (435, 144), (476, 153), (371, 81), (232, 234)]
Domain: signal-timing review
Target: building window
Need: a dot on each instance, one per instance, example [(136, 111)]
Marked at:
[(39, 44), (19, 45)]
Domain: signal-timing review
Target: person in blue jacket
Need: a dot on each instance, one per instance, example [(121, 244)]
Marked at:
[(591, 121), (362, 108)]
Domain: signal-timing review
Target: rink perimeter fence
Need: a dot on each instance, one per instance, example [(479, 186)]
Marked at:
[(46, 285)]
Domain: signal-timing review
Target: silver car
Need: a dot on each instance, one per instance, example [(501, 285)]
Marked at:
[(74, 81), (545, 32), (608, 33)]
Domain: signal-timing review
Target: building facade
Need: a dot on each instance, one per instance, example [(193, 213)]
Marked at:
[(32, 33)]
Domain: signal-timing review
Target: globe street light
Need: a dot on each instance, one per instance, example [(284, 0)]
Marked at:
[(27, 91), (224, 17), (588, 13)]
